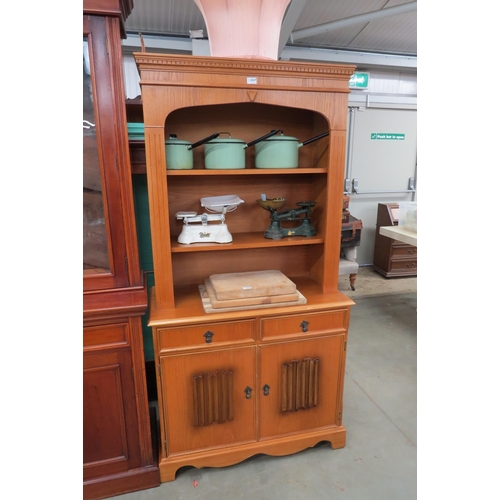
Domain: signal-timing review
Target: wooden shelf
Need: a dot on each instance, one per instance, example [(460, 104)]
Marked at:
[(249, 171), (138, 165), (246, 240)]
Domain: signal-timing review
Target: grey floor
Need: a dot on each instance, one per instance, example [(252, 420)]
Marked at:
[(379, 461)]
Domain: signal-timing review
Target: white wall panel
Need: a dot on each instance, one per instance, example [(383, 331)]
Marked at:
[(382, 167)]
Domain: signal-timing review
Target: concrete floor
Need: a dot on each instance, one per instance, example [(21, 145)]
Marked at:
[(379, 461)]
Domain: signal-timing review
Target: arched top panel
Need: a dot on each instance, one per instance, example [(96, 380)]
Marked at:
[(171, 82), (244, 121)]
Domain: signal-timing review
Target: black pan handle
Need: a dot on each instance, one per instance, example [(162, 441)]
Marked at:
[(324, 134), (206, 139), (270, 134)]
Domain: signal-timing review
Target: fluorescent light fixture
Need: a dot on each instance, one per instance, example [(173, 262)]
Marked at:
[(196, 33)]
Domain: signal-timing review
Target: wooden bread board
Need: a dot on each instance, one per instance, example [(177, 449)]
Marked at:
[(207, 306), (247, 301), (230, 286)]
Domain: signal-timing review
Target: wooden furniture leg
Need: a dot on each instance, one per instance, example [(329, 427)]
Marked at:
[(352, 279)]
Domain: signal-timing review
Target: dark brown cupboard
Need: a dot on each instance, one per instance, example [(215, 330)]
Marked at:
[(117, 446)]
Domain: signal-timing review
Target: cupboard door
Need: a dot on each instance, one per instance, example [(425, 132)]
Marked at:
[(300, 385), (110, 427), (209, 399)]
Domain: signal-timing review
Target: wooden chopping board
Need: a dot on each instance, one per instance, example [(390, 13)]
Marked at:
[(207, 306), (230, 286), (247, 301)]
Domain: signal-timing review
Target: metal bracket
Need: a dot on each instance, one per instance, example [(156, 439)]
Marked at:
[(411, 188)]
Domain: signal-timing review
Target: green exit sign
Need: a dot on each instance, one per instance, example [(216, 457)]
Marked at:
[(374, 136), (359, 81)]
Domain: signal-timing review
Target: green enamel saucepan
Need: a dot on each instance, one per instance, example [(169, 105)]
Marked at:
[(227, 153), (281, 151), (179, 154)]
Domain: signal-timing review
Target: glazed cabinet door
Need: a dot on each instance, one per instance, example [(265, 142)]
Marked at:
[(209, 399), (110, 426), (300, 385), (107, 197)]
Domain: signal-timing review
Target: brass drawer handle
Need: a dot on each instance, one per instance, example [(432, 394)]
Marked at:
[(304, 326), (208, 336)]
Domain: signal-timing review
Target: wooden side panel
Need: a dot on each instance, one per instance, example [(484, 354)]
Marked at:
[(158, 209), (325, 271)]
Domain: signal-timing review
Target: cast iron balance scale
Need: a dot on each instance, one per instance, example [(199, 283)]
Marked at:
[(302, 214)]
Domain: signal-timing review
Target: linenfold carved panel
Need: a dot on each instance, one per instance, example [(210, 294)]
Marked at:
[(213, 398), (300, 384)]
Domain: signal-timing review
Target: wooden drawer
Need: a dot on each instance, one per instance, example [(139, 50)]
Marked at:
[(304, 324), (105, 336), (404, 264), (404, 251), (208, 334)]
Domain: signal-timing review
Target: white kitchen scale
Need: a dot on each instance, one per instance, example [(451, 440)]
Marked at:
[(196, 228)]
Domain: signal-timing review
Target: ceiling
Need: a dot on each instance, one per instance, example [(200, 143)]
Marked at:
[(363, 32)]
